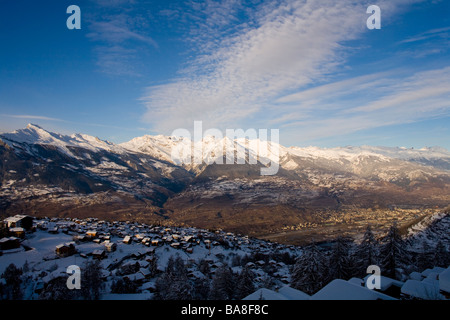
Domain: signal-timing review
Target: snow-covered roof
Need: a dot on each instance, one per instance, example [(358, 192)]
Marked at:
[(293, 294), (444, 280), (415, 276), (15, 218), (3, 240), (357, 281), (427, 272), (421, 290), (386, 282), (127, 296), (265, 294), (339, 289)]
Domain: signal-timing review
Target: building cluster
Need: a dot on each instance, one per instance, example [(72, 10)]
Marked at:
[(360, 218), (103, 232), (13, 230)]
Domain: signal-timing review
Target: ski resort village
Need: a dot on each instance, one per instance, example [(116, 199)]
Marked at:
[(128, 260)]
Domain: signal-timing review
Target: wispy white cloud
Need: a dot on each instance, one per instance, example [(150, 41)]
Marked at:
[(119, 37), (30, 117), (443, 33), (287, 46), (277, 67), (390, 100)]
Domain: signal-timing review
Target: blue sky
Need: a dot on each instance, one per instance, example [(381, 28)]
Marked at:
[(311, 69)]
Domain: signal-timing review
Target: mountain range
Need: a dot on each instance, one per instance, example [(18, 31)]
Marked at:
[(45, 174)]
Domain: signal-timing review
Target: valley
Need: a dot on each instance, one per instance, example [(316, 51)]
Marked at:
[(317, 193)]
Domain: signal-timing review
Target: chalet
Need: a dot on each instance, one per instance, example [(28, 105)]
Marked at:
[(66, 249), (149, 286), (145, 272), (91, 234), (99, 254), (150, 256), (414, 289), (155, 242), (19, 220), (339, 289), (146, 241), (139, 237), (389, 286), (17, 232), (135, 277), (53, 230), (127, 240), (9, 243), (137, 254), (176, 236), (175, 245), (110, 246), (79, 238)]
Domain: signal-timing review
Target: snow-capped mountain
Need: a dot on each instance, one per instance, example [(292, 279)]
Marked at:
[(385, 163), (213, 182), (34, 134), (57, 173), (194, 155)]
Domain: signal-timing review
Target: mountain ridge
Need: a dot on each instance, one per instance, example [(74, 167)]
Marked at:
[(35, 134), (48, 173)]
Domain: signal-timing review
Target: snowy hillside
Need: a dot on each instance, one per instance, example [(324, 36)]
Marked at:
[(130, 260), (34, 134), (143, 259)]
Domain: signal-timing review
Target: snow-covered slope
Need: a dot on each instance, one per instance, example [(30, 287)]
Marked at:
[(34, 134), (183, 151), (428, 155)]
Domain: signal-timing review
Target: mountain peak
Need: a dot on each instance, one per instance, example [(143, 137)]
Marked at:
[(33, 126)]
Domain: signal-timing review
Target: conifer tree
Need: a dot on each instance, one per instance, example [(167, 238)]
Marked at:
[(174, 283), (92, 283), (309, 273), (441, 255), (223, 284), (340, 262), (366, 253), (12, 288), (425, 258), (393, 254), (245, 283)]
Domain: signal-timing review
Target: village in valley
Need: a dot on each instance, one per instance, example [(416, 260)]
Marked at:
[(140, 262)]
